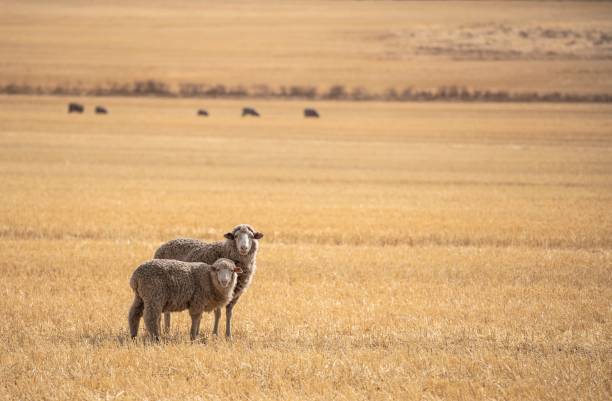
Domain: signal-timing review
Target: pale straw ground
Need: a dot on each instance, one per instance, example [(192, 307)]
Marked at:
[(374, 45), (411, 251)]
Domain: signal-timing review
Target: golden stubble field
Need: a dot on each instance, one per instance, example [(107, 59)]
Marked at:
[(517, 46), (411, 251)]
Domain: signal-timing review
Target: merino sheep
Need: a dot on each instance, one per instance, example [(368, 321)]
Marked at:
[(162, 285), (241, 244)]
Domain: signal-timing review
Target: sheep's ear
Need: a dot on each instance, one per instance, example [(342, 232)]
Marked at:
[(229, 236), (258, 236), (237, 270)]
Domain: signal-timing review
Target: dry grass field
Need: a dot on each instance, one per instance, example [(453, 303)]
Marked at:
[(376, 45), (411, 251)]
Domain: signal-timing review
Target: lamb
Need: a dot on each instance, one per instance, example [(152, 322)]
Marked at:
[(162, 285), (241, 244)]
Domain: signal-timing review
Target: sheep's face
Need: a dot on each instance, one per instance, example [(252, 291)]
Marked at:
[(244, 236), (225, 270)]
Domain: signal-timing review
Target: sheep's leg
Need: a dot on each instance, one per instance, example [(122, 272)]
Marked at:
[(195, 326), (217, 318), (228, 320), (167, 322), (228, 316), (151, 318), (134, 315)]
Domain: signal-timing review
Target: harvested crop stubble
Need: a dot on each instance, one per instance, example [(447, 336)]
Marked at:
[(412, 251)]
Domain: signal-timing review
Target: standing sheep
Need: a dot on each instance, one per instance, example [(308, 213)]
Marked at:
[(170, 285), (241, 244)]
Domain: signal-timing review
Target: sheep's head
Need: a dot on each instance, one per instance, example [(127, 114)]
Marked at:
[(244, 236), (224, 270)]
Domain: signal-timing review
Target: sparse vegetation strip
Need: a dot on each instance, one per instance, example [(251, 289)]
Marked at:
[(155, 88)]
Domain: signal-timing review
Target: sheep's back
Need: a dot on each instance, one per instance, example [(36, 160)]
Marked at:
[(207, 253), (168, 283), (178, 249)]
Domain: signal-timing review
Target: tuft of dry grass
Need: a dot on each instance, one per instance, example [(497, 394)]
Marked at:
[(412, 251)]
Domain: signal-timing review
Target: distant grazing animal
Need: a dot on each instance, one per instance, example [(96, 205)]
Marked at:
[(75, 108), (101, 110), (241, 244), (202, 112), (311, 113), (247, 111), (163, 285)]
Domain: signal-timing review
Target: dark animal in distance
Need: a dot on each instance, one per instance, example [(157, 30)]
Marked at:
[(202, 112), (75, 108), (311, 113), (247, 111), (101, 110)]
